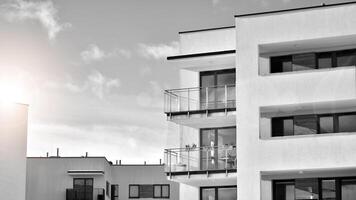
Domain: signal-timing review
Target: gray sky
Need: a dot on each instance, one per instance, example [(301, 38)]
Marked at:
[(94, 71)]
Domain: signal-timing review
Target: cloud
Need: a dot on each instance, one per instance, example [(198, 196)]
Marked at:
[(100, 84), (42, 11), (152, 97), (96, 83), (159, 51), (215, 2), (95, 53)]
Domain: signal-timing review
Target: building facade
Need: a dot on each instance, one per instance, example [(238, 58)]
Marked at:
[(95, 178), (13, 147), (203, 110), (266, 110)]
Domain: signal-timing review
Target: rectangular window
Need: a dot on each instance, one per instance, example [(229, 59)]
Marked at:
[(305, 124), (281, 64), (161, 191), (282, 126), (343, 188), (348, 189), (306, 189), (83, 188), (325, 60), (134, 191), (149, 191), (308, 61), (326, 124), (146, 191), (304, 62), (328, 189), (283, 190), (218, 193), (107, 188), (346, 58), (347, 123), (114, 192), (313, 124), (212, 92)]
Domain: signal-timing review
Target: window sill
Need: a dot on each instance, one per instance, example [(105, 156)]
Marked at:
[(308, 71), (308, 136)]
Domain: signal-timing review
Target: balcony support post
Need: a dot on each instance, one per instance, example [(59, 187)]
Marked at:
[(207, 98), (188, 95), (188, 162)]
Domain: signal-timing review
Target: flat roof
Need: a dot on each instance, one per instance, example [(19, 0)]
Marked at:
[(214, 53), (95, 157), (206, 29), (296, 9)]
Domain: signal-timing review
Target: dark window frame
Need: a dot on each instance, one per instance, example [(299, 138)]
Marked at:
[(333, 55), (216, 139), (114, 187), (138, 191), (335, 117), (338, 185), (108, 188), (161, 195), (216, 190), (85, 188)]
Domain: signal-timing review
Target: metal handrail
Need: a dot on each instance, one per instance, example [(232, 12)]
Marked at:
[(200, 158), (191, 99), (198, 88)]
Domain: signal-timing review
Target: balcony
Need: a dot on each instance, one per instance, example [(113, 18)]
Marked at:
[(201, 107), (200, 160), (85, 194)]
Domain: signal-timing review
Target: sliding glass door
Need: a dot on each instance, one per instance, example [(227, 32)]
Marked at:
[(83, 188), (216, 143), (213, 93)]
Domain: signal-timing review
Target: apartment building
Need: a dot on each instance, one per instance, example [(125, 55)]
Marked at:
[(13, 146), (95, 178), (286, 129), (203, 109)]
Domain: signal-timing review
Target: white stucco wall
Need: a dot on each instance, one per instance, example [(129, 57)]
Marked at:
[(333, 151), (13, 145), (47, 178), (207, 41), (124, 175)]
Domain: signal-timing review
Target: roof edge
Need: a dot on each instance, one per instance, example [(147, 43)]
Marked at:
[(296, 9), (213, 53), (205, 29)]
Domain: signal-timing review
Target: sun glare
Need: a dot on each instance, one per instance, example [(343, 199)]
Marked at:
[(13, 92)]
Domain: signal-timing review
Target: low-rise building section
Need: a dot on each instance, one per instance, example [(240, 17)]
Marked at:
[(95, 178)]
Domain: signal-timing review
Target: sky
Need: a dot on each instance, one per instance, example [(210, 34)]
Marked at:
[(93, 72)]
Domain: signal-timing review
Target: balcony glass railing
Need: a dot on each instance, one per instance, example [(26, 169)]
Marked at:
[(195, 159), (85, 194), (198, 98)]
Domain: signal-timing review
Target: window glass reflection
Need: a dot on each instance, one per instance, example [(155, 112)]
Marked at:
[(305, 125), (348, 189), (328, 189), (284, 191), (326, 124), (208, 194), (306, 189), (347, 123), (227, 193), (304, 62)]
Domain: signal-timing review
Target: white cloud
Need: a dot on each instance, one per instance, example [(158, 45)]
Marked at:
[(95, 53), (159, 51), (42, 11), (100, 85), (96, 83), (152, 97)]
